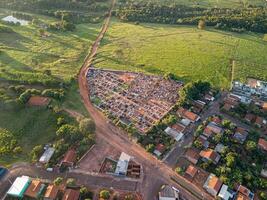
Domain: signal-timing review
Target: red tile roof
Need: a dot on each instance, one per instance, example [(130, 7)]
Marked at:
[(215, 183), (191, 170), (187, 114), (51, 192), (250, 117), (70, 156), (209, 154), (71, 195), (39, 101), (160, 147), (34, 189), (262, 144), (179, 127)]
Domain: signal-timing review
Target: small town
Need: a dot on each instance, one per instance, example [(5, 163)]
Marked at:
[(133, 100)]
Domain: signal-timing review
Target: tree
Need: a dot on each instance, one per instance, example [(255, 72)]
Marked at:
[(129, 197), (41, 32), (36, 152), (150, 148), (105, 194), (201, 24), (263, 196), (70, 182), (230, 159), (83, 190), (86, 126), (58, 181), (251, 145), (179, 170)]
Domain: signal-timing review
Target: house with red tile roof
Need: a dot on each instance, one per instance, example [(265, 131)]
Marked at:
[(51, 192), (71, 194), (262, 144), (244, 193), (210, 155), (35, 189), (213, 185), (260, 122), (250, 118), (179, 127), (69, 158), (240, 135), (191, 171), (192, 155), (159, 150), (184, 113)]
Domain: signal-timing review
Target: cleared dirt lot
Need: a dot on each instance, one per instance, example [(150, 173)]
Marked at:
[(93, 160)]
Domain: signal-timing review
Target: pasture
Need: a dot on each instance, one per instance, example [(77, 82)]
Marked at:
[(189, 53)]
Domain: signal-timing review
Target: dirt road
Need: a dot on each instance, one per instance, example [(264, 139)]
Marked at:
[(156, 172)]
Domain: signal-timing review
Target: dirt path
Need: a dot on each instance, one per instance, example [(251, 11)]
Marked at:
[(156, 172)]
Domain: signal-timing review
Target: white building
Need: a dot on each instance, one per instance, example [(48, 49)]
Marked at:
[(19, 187), (122, 164), (47, 155), (225, 194), (173, 133), (168, 193)]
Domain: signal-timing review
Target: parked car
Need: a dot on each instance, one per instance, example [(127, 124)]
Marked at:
[(2, 171)]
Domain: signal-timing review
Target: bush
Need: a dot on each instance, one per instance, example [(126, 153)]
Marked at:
[(58, 181), (105, 194), (86, 126)]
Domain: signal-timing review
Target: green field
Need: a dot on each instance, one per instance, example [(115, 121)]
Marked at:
[(212, 3), (24, 56), (189, 53)]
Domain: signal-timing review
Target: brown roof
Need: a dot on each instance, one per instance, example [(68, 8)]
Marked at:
[(178, 127), (264, 105), (241, 197), (209, 154), (39, 101), (71, 195), (70, 156), (160, 148), (191, 170), (216, 120), (187, 114), (207, 131), (33, 189), (51, 192), (242, 131), (192, 153), (252, 82), (262, 144), (243, 190), (250, 117), (227, 106), (215, 183), (259, 121)]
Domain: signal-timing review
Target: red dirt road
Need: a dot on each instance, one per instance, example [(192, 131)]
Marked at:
[(156, 172)]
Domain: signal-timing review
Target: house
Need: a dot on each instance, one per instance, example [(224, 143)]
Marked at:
[(191, 171), (69, 158), (250, 117), (192, 155), (220, 148), (227, 107), (19, 187), (244, 193), (204, 141), (179, 127), (225, 193), (159, 150), (35, 189), (262, 144), (47, 155), (209, 97), (71, 194), (173, 133), (264, 106), (207, 132), (240, 135), (122, 165), (213, 185), (215, 128), (217, 120), (260, 122), (51, 192), (192, 117), (168, 193), (210, 155)]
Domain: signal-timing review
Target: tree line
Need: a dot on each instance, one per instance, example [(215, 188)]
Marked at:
[(237, 19)]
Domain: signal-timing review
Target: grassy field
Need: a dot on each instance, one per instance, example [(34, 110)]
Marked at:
[(213, 3), (189, 53), (24, 55)]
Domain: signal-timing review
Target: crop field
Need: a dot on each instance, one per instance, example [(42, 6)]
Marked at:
[(212, 3), (185, 51)]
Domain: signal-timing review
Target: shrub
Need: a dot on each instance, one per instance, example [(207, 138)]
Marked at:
[(105, 194)]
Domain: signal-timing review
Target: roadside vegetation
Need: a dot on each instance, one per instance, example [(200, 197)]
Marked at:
[(189, 53)]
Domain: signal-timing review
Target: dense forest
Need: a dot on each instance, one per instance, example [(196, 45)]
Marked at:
[(238, 19), (77, 11)]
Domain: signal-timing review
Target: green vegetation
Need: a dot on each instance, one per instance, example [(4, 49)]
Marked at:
[(187, 52), (206, 3)]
